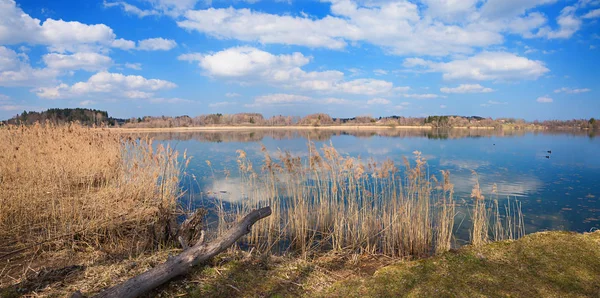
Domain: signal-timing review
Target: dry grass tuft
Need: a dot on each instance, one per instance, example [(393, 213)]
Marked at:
[(77, 188)]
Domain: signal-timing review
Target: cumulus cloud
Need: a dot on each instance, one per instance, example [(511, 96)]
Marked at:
[(396, 26), (106, 83), (85, 61), (572, 91), (15, 71), (432, 27), (247, 64), (232, 94), (123, 44), (156, 44), (592, 14), (467, 88), (485, 66), (568, 23), (18, 27), (544, 99)]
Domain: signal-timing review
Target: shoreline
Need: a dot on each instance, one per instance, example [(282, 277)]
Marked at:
[(293, 127)]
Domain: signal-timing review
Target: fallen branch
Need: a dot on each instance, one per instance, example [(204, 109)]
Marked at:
[(183, 262)]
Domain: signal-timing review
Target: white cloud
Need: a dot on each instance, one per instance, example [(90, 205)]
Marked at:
[(432, 27), (15, 71), (136, 94), (86, 61), (232, 94), (568, 24), (4, 97), (156, 44), (123, 44), (396, 26), (136, 66), (246, 25), (114, 84), (443, 106), (247, 64), (544, 99), (572, 91), (18, 27), (485, 66), (378, 101), (467, 88), (592, 14)]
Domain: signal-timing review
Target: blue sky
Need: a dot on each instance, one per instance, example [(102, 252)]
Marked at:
[(532, 59)]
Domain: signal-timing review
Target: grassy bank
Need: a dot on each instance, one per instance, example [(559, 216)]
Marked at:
[(549, 264)]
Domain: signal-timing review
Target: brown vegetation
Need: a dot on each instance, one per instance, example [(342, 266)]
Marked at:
[(73, 195), (71, 188)]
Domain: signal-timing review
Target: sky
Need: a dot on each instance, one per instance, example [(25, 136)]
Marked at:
[(530, 59)]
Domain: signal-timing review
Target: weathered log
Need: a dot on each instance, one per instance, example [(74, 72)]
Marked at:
[(183, 262)]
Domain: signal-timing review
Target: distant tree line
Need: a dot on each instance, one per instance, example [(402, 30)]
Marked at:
[(60, 116), (98, 118)]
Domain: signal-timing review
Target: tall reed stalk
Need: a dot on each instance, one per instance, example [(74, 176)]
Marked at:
[(75, 185), (333, 202)]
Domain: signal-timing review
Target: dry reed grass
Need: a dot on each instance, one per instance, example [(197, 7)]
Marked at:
[(81, 188), (334, 202)]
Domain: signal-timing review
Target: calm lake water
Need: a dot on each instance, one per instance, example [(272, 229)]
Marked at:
[(558, 190)]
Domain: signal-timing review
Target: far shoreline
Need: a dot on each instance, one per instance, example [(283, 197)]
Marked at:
[(291, 127)]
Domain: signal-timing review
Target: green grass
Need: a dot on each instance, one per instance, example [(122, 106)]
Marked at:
[(549, 264)]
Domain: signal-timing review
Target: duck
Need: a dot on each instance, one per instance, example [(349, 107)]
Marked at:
[(549, 151)]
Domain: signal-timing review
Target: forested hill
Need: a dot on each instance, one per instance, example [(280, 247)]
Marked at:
[(59, 116)]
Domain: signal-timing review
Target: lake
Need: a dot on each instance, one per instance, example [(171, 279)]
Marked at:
[(555, 175)]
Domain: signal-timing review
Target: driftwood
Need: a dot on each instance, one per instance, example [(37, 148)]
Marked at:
[(183, 262)]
